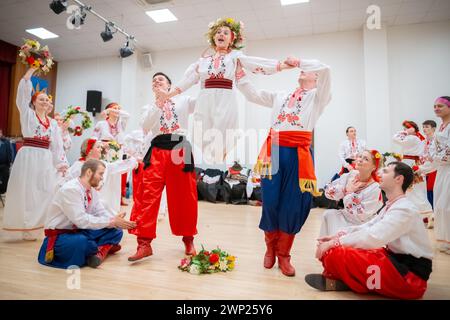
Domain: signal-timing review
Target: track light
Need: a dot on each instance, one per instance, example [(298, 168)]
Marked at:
[(127, 50), (78, 17), (108, 33), (78, 13), (58, 6)]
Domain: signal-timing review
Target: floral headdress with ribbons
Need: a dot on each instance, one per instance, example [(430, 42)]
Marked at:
[(236, 28)]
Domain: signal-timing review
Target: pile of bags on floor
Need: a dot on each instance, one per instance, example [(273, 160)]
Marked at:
[(237, 185)]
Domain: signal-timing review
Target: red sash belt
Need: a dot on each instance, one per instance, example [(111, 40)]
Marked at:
[(218, 84), (36, 142), (52, 235), (302, 141)]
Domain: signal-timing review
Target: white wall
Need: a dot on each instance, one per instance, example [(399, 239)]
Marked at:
[(417, 64)]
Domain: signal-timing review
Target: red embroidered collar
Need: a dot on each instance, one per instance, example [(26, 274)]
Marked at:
[(45, 124)]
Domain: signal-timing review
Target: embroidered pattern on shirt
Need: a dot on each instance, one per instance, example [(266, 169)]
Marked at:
[(169, 119), (293, 118)]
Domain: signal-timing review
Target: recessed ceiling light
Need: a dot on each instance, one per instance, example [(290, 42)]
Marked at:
[(288, 2), (42, 33), (164, 15)]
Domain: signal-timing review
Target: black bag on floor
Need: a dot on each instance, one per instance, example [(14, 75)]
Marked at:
[(210, 191), (4, 177), (236, 194), (256, 194)]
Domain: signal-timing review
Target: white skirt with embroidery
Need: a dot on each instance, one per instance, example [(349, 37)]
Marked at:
[(333, 221), (110, 193), (216, 111), (30, 189), (442, 205), (418, 196)]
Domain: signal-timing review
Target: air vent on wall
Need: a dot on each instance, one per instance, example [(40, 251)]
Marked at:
[(145, 3)]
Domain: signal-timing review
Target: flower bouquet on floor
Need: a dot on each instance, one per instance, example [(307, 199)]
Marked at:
[(86, 123), (34, 55), (208, 262), (111, 151)]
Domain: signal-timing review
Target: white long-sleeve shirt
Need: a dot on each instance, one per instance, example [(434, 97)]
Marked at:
[(66, 139), (360, 206), (349, 149), (111, 168), (70, 208), (411, 145), (225, 67), (102, 130), (303, 115), (31, 128), (398, 226), (439, 151), (173, 117)]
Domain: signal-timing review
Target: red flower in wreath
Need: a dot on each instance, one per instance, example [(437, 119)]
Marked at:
[(415, 168), (78, 108), (30, 60), (213, 258), (281, 117), (206, 253), (77, 131)]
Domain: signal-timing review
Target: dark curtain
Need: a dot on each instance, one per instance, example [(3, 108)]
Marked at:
[(8, 54)]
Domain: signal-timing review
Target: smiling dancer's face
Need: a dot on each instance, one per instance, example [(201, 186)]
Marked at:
[(41, 104), (160, 82), (223, 38)]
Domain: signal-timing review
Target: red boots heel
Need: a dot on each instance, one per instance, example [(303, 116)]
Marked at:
[(189, 245), (144, 249), (95, 260), (283, 252), (271, 243)]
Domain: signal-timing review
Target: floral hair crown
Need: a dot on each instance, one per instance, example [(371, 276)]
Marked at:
[(236, 28)]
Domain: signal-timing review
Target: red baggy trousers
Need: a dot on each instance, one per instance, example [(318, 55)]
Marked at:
[(358, 268), (181, 191)]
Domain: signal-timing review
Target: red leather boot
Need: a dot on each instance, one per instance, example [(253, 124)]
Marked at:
[(115, 248), (189, 245), (144, 249), (271, 238), (283, 250), (95, 260)]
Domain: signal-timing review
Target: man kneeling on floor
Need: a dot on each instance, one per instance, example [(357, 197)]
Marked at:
[(390, 255), (78, 229)]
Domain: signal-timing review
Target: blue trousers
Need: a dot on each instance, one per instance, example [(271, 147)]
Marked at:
[(73, 249), (285, 207), (430, 198)]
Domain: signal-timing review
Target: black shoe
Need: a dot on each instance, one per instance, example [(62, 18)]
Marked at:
[(94, 261), (322, 283)]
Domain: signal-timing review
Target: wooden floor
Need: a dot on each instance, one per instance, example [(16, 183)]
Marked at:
[(233, 228)]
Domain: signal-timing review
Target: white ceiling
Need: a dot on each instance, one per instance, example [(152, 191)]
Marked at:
[(264, 19)]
